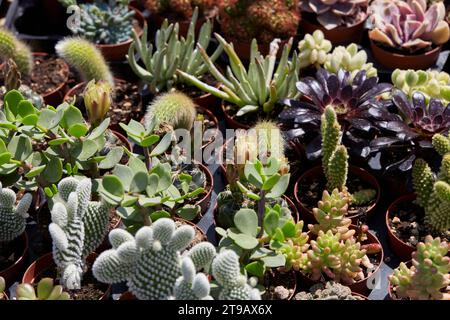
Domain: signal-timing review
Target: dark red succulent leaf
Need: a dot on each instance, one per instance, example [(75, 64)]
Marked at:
[(357, 103)]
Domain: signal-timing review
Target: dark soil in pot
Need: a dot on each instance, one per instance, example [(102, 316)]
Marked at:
[(407, 223), (309, 193), (279, 285), (91, 289), (247, 120), (126, 104)]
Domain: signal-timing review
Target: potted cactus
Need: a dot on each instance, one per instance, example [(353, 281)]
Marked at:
[(154, 269), (407, 34), (180, 12), (171, 52), (253, 93), (13, 239), (426, 276), (109, 24), (412, 217), (341, 21), (361, 187), (90, 65), (44, 74), (78, 227), (263, 20)]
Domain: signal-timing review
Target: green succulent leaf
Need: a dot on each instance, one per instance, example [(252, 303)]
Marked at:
[(162, 146), (112, 158), (99, 130), (112, 189), (246, 220), (256, 268), (271, 221), (139, 182), (20, 147), (280, 187), (189, 212)]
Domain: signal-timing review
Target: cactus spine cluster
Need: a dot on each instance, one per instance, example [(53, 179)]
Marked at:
[(433, 194), (313, 49), (174, 109), (151, 262), (12, 217), (226, 271), (429, 276), (85, 58), (78, 227), (13, 48), (334, 154)]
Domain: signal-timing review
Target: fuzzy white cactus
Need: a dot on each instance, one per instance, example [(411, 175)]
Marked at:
[(78, 227), (234, 286), (151, 262), (12, 218), (191, 285)]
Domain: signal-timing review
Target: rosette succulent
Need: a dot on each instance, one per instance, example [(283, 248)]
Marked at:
[(313, 49), (349, 59), (355, 101), (408, 25), (335, 13), (408, 133)]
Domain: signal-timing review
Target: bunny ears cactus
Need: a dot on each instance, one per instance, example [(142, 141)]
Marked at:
[(408, 25), (12, 218)]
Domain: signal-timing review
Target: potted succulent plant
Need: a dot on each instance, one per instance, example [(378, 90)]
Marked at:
[(90, 65), (411, 218), (153, 256), (180, 12), (356, 98), (171, 52), (407, 34), (253, 93), (426, 276), (45, 290), (78, 227), (329, 291), (45, 74), (109, 24), (406, 133), (341, 21), (13, 239), (263, 20), (362, 188)]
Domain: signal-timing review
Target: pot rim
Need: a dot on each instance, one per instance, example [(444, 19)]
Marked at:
[(402, 56), (24, 239), (389, 211)]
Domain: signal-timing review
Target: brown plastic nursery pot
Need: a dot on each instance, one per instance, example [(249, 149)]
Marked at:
[(393, 60), (213, 118), (13, 272), (401, 249), (359, 286), (117, 52), (127, 296), (243, 48), (204, 202), (44, 263), (207, 101), (338, 35), (310, 175), (233, 124)]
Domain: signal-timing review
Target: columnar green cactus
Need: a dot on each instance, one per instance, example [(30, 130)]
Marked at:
[(334, 154), (191, 286), (78, 227), (313, 49), (226, 271), (85, 58), (349, 59), (433, 194), (331, 214), (429, 276), (13, 48), (12, 218), (150, 262), (340, 260), (174, 109)]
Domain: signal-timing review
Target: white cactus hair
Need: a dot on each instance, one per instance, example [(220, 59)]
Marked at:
[(13, 218), (77, 229)]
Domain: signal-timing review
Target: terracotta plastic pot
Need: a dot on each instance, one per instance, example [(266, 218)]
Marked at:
[(361, 285), (127, 296), (117, 52), (54, 97), (213, 118), (310, 175), (401, 249), (204, 202), (207, 101), (13, 272), (243, 48), (393, 61), (338, 35), (45, 262), (233, 124)]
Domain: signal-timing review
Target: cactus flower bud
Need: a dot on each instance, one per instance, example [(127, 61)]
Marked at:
[(97, 99)]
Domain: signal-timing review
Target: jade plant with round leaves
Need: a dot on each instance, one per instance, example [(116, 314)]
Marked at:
[(38, 147), (46, 290)]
